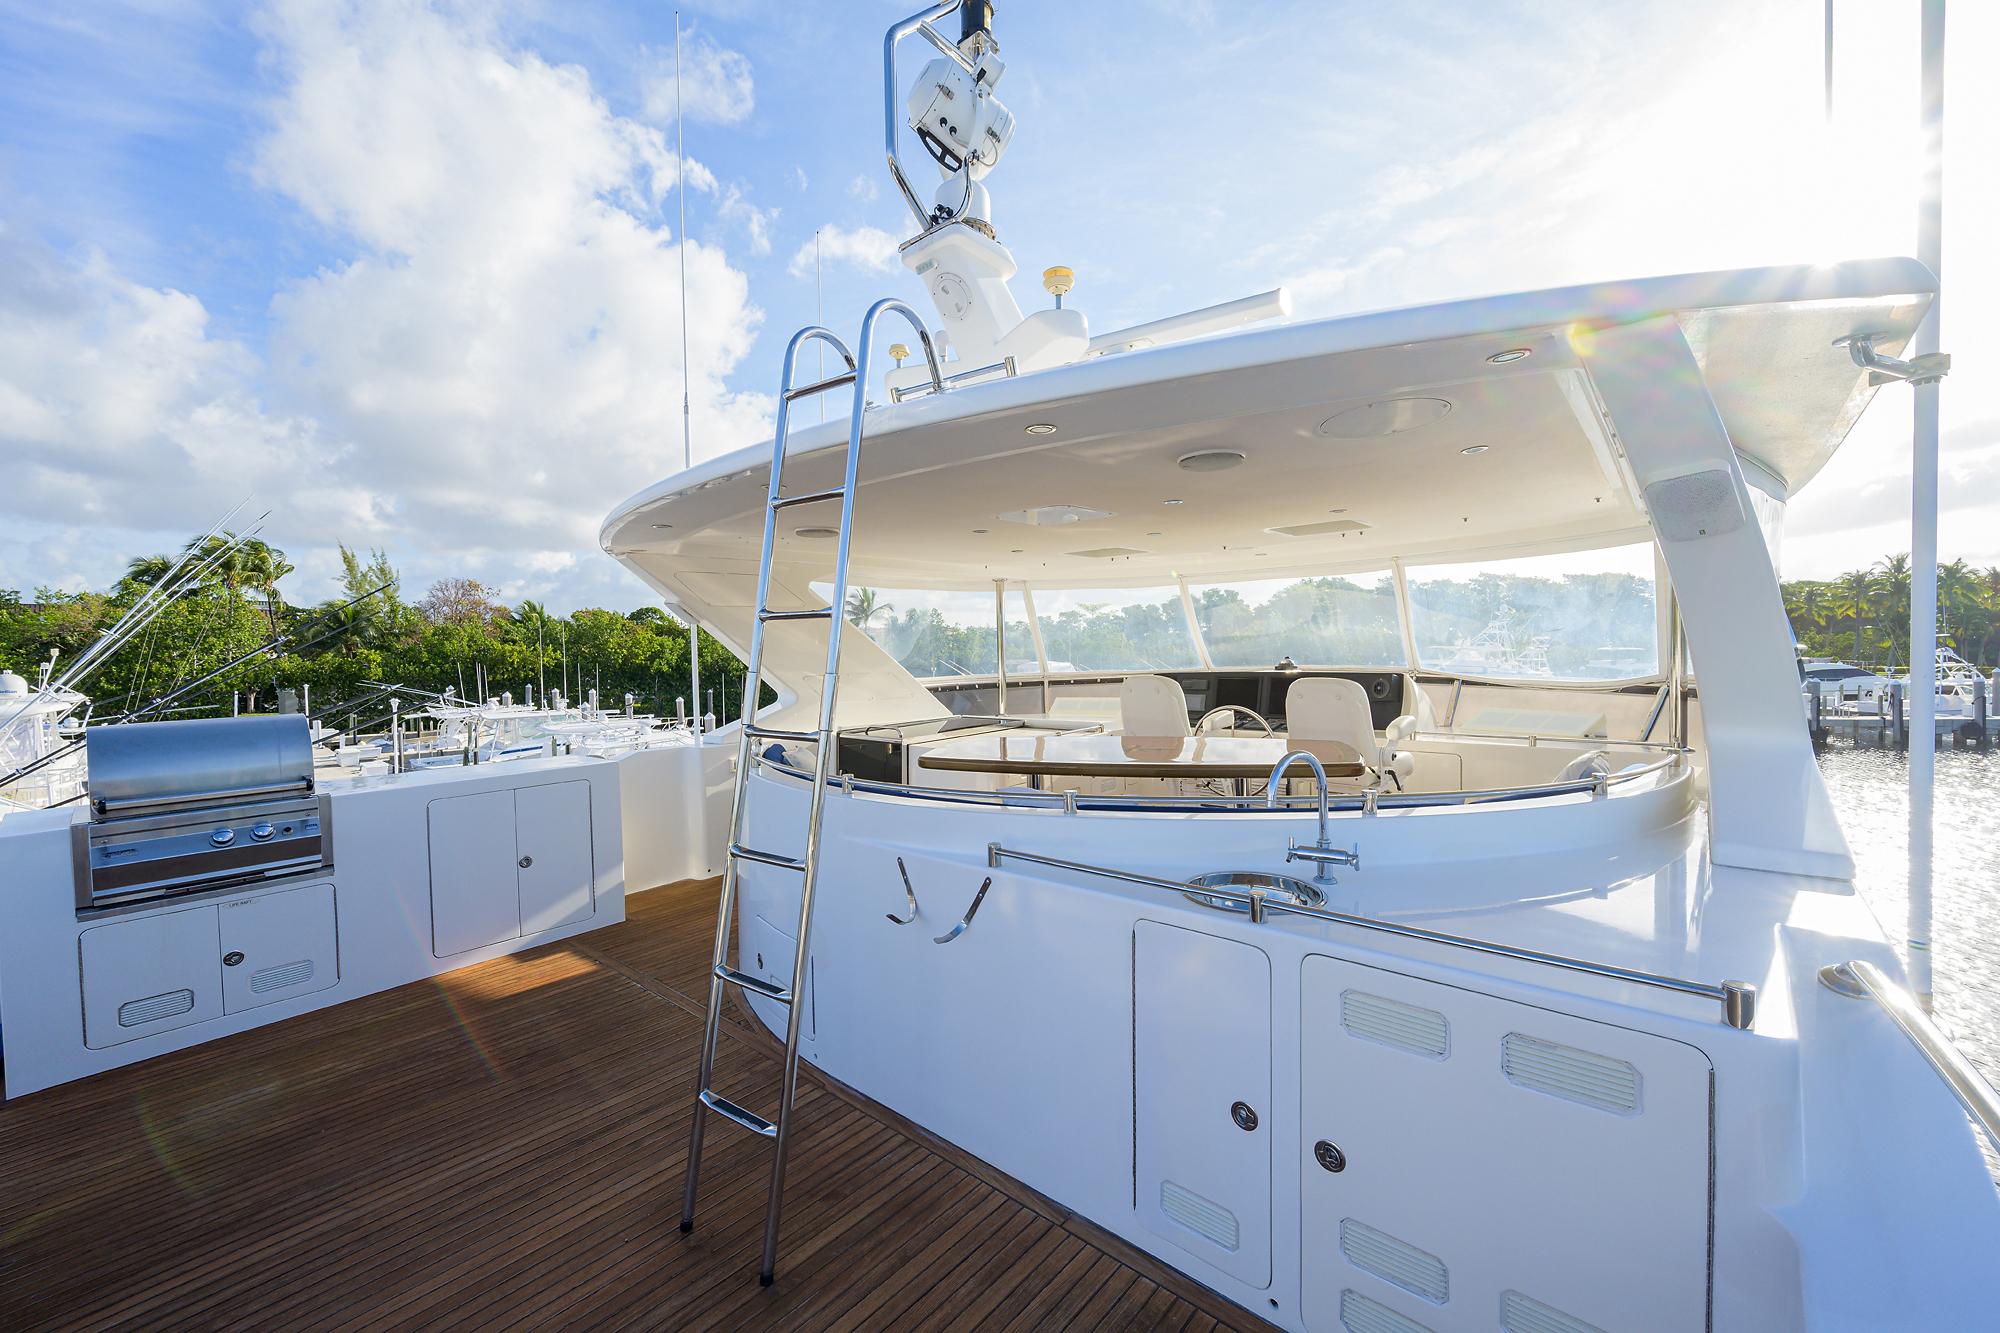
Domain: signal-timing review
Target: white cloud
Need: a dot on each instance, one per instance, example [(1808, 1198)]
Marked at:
[(120, 409), (502, 352), (756, 222), (863, 188), (867, 248), (716, 83)]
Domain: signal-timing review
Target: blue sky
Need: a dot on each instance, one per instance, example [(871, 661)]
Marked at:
[(406, 270)]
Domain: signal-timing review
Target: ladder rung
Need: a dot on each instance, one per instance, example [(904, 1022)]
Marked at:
[(819, 386), (729, 1110), (770, 990), (737, 849), (809, 497), (810, 613), (780, 734)]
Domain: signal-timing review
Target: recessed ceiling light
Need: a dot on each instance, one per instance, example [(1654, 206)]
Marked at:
[(978, 532), (663, 526), (1210, 460), (816, 534), (1173, 502), (1156, 534), (1336, 511), (1042, 428), (1472, 449), (1015, 551), (1510, 355)]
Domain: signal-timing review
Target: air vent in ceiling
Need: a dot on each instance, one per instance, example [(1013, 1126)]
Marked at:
[(1049, 516), (1385, 416), (1108, 552), (1320, 529)]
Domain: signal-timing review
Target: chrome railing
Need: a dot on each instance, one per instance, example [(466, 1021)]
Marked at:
[(1738, 998), (1863, 980), (1072, 802)]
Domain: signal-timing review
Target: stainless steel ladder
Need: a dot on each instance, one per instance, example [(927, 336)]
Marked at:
[(821, 738)]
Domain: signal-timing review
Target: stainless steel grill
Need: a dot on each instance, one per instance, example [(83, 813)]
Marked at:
[(179, 807)]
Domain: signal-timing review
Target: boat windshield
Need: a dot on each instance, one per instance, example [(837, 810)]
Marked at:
[(1339, 620), (1585, 615)]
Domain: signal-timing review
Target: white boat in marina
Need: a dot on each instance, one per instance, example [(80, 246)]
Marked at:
[(39, 763), (1549, 1003)]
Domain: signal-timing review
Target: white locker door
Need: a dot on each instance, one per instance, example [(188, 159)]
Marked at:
[(475, 900), (1485, 1157), (149, 974), (276, 946), (1202, 1078), (552, 846)]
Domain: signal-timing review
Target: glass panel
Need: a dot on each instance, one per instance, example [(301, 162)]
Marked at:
[(1115, 629), (1340, 620), (940, 634), (1586, 615)]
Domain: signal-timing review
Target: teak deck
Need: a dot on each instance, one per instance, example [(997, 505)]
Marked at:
[(504, 1146)]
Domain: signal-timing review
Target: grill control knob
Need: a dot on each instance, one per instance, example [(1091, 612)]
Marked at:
[(222, 837), (262, 832)]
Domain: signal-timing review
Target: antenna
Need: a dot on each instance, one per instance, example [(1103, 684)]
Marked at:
[(680, 189)]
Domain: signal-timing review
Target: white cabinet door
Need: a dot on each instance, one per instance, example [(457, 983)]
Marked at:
[(552, 846), (1494, 1158), (1202, 1079), (475, 900), (277, 945), (149, 974)]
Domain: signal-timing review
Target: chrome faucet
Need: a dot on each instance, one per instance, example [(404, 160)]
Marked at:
[(1322, 853)]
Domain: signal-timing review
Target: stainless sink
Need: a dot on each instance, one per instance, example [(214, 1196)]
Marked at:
[(1281, 888)]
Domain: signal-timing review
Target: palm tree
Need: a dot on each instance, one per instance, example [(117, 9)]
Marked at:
[(148, 569), (863, 606), (1889, 585), (1853, 596), (262, 566)]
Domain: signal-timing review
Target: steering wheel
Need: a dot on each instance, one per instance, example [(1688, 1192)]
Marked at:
[(1227, 709)]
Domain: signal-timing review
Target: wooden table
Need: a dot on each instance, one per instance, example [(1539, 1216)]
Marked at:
[(1097, 755)]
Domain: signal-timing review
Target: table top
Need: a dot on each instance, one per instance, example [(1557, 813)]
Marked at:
[(1097, 755)]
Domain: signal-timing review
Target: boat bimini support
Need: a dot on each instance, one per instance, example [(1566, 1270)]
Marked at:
[(821, 738), (1738, 998)]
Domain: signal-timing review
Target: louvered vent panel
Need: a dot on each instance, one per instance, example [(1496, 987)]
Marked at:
[(1205, 1217), (1416, 1271), (137, 1013), (1564, 1071), (266, 980), (1525, 1314), (1358, 1314), (1407, 1027)]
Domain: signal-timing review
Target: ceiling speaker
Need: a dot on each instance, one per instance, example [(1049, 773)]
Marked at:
[(1700, 504)]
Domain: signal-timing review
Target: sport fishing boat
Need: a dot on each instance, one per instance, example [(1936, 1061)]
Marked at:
[(1407, 998)]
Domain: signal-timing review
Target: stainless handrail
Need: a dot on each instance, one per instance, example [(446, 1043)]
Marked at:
[(1738, 998), (1222, 804), (1859, 979), (892, 122)]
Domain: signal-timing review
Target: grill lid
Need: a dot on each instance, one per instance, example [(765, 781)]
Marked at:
[(164, 765)]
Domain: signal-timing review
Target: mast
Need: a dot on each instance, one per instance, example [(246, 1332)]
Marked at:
[(1924, 507), (687, 416)]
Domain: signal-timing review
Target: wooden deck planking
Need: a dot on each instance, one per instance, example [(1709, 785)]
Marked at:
[(504, 1146)]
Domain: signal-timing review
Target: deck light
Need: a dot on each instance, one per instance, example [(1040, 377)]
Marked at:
[(1509, 356), (1042, 428)]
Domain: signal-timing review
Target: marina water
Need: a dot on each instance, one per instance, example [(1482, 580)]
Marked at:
[(1870, 790)]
